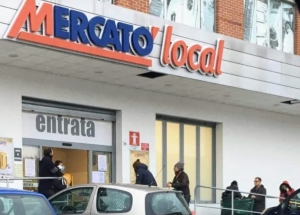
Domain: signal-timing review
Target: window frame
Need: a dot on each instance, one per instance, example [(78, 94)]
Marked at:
[(290, 2), (198, 123), (118, 190), (164, 11), (69, 191)]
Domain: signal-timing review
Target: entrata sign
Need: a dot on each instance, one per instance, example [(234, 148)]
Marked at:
[(60, 27), (194, 57), (72, 30)]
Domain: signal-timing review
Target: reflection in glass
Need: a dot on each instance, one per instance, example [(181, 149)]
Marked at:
[(287, 27), (156, 8), (275, 24), (262, 23), (249, 20)]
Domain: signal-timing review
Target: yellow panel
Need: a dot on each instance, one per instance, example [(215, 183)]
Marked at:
[(173, 148), (206, 170), (158, 153), (134, 155), (190, 155)]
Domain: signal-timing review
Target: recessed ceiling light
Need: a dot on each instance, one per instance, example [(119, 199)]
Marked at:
[(168, 85), (226, 96), (98, 72), (13, 55), (275, 105)]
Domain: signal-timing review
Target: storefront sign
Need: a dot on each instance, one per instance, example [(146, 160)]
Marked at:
[(62, 125), (195, 57), (72, 30), (66, 129)]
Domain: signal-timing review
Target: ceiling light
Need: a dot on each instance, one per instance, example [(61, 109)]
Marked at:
[(168, 85), (13, 55), (98, 72), (226, 96)]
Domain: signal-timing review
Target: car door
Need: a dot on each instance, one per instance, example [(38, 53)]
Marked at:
[(111, 201), (73, 201), (291, 204)]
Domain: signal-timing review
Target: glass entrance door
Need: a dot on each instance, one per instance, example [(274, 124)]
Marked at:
[(31, 155), (101, 172)]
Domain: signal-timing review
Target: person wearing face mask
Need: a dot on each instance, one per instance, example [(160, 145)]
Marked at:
[(47, 169), (59, 184)]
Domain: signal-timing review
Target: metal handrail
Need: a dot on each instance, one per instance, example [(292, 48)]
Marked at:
[(232, 199), (32, 178)]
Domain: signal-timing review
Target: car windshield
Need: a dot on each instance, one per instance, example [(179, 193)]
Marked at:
[(18, 204), (162, 203)]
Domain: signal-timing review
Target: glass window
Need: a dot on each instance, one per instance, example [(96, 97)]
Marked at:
[(206, 163), (269, 23), (190, 155), (113, 201), (16, 204), (294, 203), (159, 153), (195, 13), (74, 201), (166, 203), (173, 148), (30, 152)]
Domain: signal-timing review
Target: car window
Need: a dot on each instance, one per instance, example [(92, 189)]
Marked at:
[(24, 205), (294, 203), (113, 201), (160, 203), (74, 201)]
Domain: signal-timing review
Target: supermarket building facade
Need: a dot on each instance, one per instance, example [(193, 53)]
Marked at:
[(108, 85)]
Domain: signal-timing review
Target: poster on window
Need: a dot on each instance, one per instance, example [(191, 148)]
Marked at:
[(6, 157), (208, 15), (262, 27), (156, 8), (287, 28), (250, 21), (275, 25)]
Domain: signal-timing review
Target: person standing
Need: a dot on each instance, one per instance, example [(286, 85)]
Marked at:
[(59, 184), (285, 190), (47, 169), (228, 193), (181, 181), (143, 175), (259, 200)]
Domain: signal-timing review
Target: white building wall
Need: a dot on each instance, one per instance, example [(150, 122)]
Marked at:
[(250, 142)]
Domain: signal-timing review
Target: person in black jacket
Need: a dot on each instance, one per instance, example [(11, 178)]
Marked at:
[(47, 169), (59, 184), (260, 201), (181, 181), (228, 193), (143, 175)]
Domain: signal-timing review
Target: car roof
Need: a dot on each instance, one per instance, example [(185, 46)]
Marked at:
[(4, 190), (138, 187)]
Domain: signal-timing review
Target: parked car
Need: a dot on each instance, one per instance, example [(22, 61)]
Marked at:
[(289, 206), (21, 202), (92, 199)]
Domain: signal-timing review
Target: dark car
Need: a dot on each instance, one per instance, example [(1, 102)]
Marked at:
[(21, 202), (289, 206)]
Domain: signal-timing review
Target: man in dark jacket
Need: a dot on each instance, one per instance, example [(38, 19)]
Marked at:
[(47, 169), (260, 201), (143, 175), (181, 181), (228, 194), (59, 184)]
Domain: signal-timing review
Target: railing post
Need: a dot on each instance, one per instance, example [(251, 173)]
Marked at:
[(232, 202)]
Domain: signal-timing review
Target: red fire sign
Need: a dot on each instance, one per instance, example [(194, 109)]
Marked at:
[(134, 138), (145, 146)]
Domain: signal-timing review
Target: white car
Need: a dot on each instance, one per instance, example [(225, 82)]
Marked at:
[(95, 199)]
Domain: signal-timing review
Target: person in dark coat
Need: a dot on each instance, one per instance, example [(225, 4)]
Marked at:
[(59, 184), (285, 190), (259, 201), (47, 169), (181, 181), (228, 194), (143, 175)]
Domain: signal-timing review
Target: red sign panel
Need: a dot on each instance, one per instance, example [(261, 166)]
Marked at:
[(145, 146), (134, 138)]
